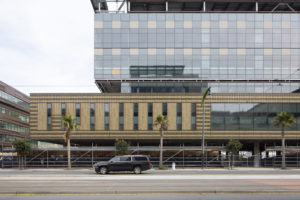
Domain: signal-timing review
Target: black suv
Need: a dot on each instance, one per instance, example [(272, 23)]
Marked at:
[(135, 163)]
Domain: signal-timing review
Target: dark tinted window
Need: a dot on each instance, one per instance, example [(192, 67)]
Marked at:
[(135, 116), (121, 116), (77, 113), (140, 158), (63, 109), (106, 116), (164, 109), (115, 159), (49, 113), (125, 159)]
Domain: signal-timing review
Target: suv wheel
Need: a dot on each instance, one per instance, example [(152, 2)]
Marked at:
[(137, 170), (103, 170)]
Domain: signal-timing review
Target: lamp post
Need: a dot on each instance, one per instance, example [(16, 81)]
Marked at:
[(207, 92)]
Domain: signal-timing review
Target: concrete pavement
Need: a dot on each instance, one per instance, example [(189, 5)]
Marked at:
[(156, 197)]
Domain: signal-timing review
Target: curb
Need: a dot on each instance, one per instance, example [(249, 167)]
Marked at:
[(20, 193)]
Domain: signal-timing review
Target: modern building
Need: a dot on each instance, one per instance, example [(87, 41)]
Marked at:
[(157, 57), (14, 115)]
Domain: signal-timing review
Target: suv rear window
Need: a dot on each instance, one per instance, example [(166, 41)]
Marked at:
[(140, 158)]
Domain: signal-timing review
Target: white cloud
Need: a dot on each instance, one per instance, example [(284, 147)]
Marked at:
[(47, 43)]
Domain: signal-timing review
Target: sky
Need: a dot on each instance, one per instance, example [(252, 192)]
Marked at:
[(47, 46)]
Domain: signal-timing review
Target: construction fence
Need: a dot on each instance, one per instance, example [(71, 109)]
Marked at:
[(51, 161)]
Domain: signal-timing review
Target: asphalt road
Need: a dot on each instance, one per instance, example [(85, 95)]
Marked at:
[(154, 184), (158, 197)]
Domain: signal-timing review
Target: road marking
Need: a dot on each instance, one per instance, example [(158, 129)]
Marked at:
[(153, 177), (153, 193)]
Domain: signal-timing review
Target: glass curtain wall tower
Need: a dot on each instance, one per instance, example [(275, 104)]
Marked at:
[(186, 46)]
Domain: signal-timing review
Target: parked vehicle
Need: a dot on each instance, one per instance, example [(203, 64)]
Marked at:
[(134, 163)]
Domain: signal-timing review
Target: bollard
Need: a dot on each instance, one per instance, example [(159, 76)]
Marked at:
[(173, 165)]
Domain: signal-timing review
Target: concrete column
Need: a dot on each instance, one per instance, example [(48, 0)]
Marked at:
[(167, 6), (128, 6), (256, 6), (256, 151), (204, 6)]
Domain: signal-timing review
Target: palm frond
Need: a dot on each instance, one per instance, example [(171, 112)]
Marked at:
[(284, 119), (69, 124), (205, 94), (161, 122)]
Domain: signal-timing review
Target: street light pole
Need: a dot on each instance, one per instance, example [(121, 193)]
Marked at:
[(207, 92), (203, 136)]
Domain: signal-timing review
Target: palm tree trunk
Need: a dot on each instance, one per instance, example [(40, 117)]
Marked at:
[(283, 165), (161, 150), (69, 153), (232, 160), (22, 159), (19, 162)]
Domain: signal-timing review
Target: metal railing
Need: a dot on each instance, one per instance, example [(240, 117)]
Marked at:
[(194, 161)]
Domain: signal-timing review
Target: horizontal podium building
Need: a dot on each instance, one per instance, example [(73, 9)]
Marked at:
[(158, 57)]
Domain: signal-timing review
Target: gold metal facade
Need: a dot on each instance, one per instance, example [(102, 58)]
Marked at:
[(38, 114)]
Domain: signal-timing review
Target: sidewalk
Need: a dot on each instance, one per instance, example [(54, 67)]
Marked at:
[(186, 171)]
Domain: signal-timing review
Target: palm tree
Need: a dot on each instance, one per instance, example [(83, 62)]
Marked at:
[(162, 123), (284, 120), (70, 125)]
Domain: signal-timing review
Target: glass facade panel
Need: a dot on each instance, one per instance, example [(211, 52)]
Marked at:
[(13, 127), (49, 113), (106, 116), (260, 113), (251, 116), (63, 113), (178, 116), (241, 46), (164, 109), (4, 110), (246, 116), (63, 109), (193, 116), (297, 116), (10, 138), (291, 108), (231, 116), (92, 116), (77, 112), (218, 116), (13, 99), (274, 109)]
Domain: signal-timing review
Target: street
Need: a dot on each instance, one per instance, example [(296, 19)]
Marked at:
[(157, 197), (45, 184)]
